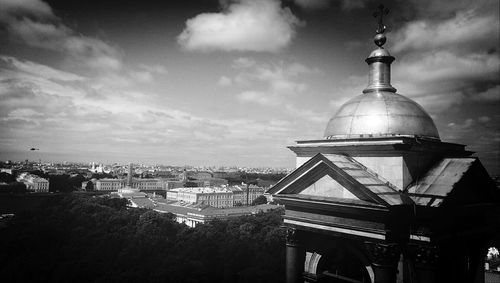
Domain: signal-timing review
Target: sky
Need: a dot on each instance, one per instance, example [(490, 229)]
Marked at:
[(232, 82)]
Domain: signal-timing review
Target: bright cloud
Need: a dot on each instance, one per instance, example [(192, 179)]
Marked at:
[(244, 25)]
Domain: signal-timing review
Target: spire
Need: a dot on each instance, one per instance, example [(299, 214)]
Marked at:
[(379, 61)]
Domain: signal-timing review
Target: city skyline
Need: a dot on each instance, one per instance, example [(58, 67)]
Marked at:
[(232, 82)]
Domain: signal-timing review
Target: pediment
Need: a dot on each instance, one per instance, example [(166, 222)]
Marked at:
[(326, 186), (339, 177)]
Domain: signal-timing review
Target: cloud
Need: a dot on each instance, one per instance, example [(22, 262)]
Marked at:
[(349, 5), (244, 25), (224, 81), (30, 7), (34, 69), (155, 69), (263, 98), (243, 62), (444, 65), (34, 23), (346, 5), (466, 28), (466, 125), (33, 76), (483, 119), (146, 73), (26, 114), (477, 132), (64, 116), (448, 54), (270, 84), (308, 115), (489, 95), (313, 4)]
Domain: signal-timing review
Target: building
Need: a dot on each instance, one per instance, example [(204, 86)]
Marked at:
[(193, 215), (139, 184), (109, 184), (216, 196), (155, 184), (251, 193), (34, 183), (380, 198), (196, 214)]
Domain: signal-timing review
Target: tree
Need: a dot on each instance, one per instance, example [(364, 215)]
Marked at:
[(90, 186), (76, 181), (259, 200), (81, 238), (14, 187), (6, 177)]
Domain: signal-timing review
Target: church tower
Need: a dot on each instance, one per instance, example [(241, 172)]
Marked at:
[(380, 198)]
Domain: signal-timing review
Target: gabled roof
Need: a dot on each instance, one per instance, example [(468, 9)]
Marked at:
[(462, 180), (348, 173)]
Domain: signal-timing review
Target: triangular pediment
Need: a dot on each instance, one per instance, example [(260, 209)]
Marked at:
[(326, 186), (336, 177)]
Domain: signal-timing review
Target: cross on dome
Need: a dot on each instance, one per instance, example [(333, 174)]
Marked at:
[(382, 11)]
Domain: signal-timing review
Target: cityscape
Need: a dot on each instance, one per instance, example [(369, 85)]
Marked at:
[(250, 141)]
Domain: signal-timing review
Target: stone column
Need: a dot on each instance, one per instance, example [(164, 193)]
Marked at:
[(294, 257), (385, 258), (425, 259)]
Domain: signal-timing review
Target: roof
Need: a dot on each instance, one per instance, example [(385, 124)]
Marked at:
[(439, 181), (339, 178), (380, 114), (350, 174)]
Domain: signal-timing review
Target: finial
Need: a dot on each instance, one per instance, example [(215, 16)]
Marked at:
[(380, 37), (379, 76)]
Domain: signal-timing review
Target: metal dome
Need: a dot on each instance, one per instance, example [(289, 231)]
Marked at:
[(381, 114)]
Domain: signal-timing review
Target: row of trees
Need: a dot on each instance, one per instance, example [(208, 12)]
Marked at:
[(57, 183), (77, 238)]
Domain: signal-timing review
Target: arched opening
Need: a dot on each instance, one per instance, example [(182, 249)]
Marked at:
[(344, 263)]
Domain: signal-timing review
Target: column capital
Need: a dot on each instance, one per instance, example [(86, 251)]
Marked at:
[(384, 254), (291, 237), (425, 256)]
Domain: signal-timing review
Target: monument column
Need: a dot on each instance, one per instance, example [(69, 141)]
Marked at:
[(294, 257), (385, 258)]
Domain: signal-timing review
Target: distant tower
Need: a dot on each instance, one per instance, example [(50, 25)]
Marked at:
[(129, 176)]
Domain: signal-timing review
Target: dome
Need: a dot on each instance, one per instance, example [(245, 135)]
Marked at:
[(380, 114)]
